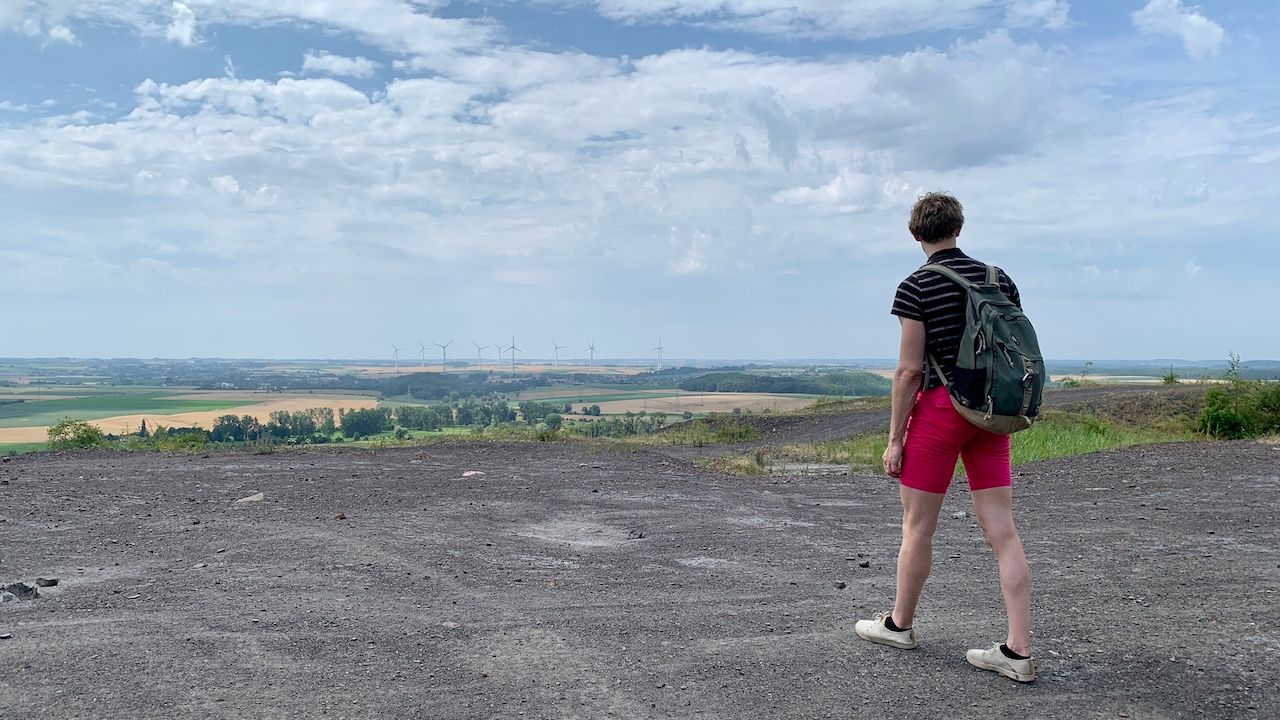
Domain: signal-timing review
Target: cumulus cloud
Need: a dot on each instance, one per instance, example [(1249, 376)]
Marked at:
[(182, 29), (1200, 36), (325, 63), (502, 160)]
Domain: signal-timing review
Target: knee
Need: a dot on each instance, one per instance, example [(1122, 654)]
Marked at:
[(918, 533), (999, 535)]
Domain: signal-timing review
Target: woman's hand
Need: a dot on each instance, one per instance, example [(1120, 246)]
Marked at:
[(893, 459)]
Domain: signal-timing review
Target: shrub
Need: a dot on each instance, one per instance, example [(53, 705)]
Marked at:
[(70, 433), (1226, 416), (1170, 378), (553, 421)]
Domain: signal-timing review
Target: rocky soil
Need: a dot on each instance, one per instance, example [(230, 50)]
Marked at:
[(583, 581)]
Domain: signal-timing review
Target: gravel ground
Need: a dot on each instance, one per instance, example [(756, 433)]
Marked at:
[(581, 581)]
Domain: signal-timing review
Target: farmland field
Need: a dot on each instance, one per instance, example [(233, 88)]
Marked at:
[(123, 412)]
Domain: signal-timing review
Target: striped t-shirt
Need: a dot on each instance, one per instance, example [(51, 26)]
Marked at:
[(939, 303)]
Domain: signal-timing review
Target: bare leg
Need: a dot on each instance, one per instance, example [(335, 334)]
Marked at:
[(994, 508), (915, 557)]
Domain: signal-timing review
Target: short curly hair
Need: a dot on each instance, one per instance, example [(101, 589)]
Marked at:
[(936, 216)]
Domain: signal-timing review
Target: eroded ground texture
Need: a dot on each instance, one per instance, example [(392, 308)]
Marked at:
[(581, 581)]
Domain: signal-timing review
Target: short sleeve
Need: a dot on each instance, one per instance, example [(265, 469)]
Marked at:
[(906, 302), (1012, 294)]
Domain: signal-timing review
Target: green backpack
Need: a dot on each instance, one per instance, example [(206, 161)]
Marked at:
[(999, 372)]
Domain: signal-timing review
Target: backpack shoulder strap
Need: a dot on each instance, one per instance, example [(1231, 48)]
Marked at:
[(934, 367), (950, 274), (993, 275)]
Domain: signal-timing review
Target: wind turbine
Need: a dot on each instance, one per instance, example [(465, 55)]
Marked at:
[(395, 356), (422, 355), (591, 354), (556, 354), (501, 350), (444, 355), (479, 354), (513, 350), (659, 349)]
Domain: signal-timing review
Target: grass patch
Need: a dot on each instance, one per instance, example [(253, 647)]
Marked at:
[(20, 448), (756, 463), (700, 433), (1057, 434)]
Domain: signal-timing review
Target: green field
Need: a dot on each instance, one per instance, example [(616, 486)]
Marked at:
[(129, 401), (19, 448)]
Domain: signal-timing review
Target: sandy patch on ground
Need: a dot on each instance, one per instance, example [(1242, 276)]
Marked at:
[(260, 409)]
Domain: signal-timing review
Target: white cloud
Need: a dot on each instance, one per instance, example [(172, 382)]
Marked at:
[(850, 191), (1049, 14), (225, 184), (863, 19), (183, 28), (1200, 36), (406, 26), (1192, 268), (508, 163), (325, 63)]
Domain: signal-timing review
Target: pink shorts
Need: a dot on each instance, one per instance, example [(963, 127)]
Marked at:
[(937, 436)]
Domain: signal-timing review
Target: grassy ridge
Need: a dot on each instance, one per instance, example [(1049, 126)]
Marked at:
[(1057, 434)]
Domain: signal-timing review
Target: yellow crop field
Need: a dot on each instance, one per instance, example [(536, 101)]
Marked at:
[(259, 405)]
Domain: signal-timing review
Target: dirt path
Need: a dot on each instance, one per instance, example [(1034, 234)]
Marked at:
[(571, 581)]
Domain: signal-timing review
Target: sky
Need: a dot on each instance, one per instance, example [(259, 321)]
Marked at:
[(731, 178)]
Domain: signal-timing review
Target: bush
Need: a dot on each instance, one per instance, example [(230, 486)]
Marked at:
[(70, 433), (553, 421), (1241, 409), (1170, 378)]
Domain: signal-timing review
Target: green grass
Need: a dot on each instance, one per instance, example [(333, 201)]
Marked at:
[(95, 407), (699, 433), (19, 448), (1056, 435)]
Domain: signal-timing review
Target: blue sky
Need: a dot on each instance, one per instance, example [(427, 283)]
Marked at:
[(260, 178)]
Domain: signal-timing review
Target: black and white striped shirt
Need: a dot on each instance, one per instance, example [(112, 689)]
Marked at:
[(939, 303)]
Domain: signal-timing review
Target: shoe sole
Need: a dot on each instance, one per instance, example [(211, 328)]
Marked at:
[(885, 641), (1007, 672)]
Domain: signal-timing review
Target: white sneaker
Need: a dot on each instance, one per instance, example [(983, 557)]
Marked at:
[(876, 632), (995, 660)]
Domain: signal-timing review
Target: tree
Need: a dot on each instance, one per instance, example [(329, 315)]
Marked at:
[(553, 421), (68, 433), (1170, 378)]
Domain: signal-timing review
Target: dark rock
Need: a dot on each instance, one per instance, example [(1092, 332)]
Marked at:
[(840, 584), (865, 564), (21, 591), (46, 582)]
